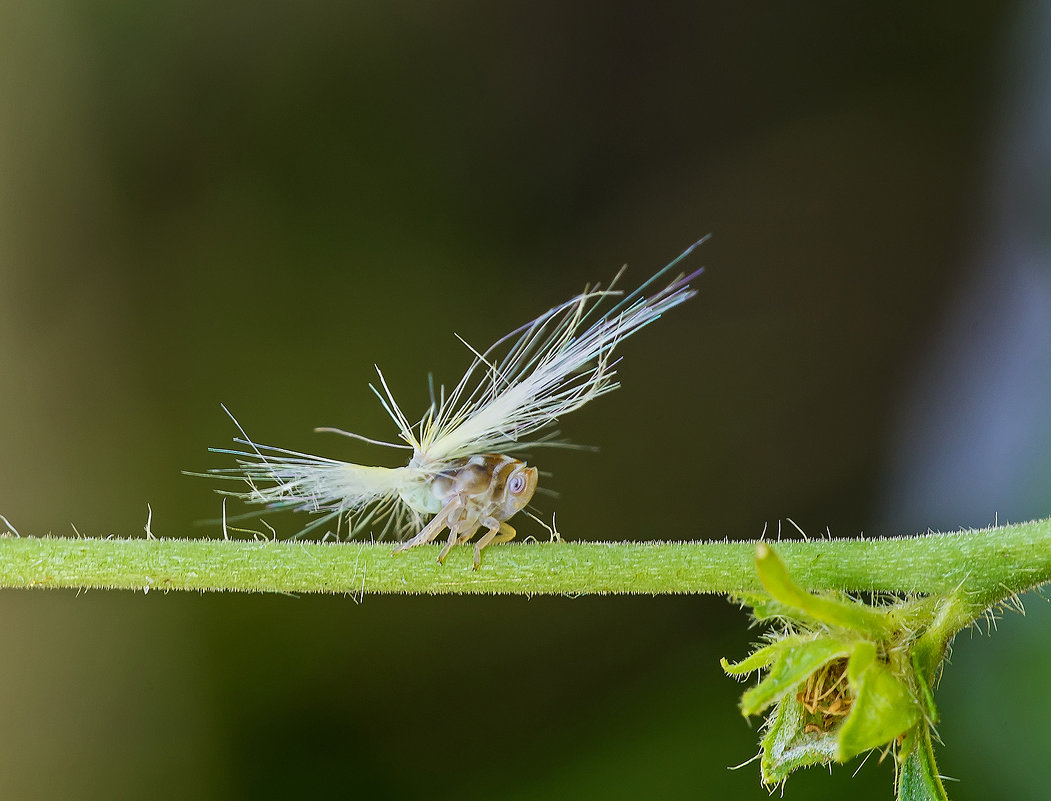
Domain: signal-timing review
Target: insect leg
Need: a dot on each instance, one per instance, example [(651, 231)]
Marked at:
[(432, 529), (507, 533), (498, 532), (459, 531), (448, 545)]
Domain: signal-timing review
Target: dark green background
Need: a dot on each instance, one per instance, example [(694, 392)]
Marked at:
[(254, 203)]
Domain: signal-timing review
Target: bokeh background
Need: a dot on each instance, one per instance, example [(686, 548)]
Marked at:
[(254, 203)]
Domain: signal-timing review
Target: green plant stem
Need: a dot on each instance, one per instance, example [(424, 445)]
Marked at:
[(988, 565), (918, 778)]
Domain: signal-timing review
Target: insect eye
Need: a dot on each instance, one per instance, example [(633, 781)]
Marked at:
[(517, 484)]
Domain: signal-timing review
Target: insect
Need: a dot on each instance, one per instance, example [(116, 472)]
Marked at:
[(464, 473)]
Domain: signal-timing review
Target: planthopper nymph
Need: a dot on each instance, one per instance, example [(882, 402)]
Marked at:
[(464, 474)]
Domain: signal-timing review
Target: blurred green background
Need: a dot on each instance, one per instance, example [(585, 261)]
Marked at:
[(254, 203)]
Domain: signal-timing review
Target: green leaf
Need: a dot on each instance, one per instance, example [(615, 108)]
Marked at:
[(787, 746), (795, 658), (766, 608), (842, 612), (754, 661), (764, 656), (883, 707)]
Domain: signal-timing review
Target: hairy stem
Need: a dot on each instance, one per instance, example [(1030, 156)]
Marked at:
[(918, 778), (988, 565)]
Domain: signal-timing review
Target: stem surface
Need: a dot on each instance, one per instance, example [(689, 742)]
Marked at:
[(990, 565)]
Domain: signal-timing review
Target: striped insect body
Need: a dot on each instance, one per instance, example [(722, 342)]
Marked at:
[(475, 492)]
